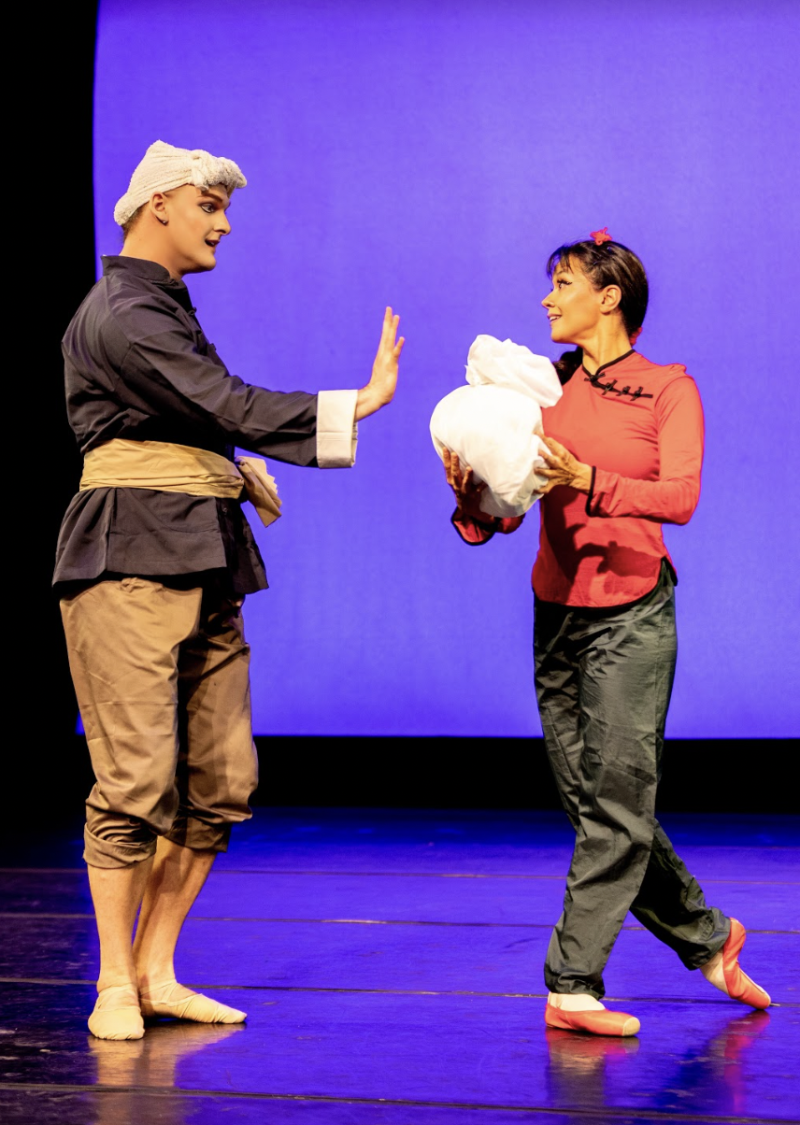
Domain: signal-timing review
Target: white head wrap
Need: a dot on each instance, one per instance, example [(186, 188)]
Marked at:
[(165, 167)]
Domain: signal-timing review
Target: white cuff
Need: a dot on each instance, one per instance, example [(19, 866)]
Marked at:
[(337, 431)]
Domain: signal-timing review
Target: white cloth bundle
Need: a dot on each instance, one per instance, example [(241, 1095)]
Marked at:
[(493, 424)]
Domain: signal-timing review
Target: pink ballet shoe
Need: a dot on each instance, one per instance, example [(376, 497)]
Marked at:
[(595, 1022), (738, 984)]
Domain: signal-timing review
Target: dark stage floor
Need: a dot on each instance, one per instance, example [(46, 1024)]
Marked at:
[(390, 963)]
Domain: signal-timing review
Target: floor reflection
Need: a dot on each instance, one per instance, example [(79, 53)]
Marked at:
[(578, 1065), (714, 1074), (583, 1070), (133, 1068)]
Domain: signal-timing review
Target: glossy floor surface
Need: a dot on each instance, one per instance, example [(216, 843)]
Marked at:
[(390, 963)]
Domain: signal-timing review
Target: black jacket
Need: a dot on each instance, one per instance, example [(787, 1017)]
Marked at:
[(138, 366)]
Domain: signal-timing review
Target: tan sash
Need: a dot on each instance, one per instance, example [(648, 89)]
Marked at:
[(166, 467)]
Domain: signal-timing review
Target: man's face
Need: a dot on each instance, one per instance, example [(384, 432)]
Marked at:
[(196, 221)]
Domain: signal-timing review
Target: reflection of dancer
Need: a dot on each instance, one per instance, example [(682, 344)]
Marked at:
[(627, 459), (581, 1069), (128, 1073), (589, 1073), (713, 1074), (154, 560)]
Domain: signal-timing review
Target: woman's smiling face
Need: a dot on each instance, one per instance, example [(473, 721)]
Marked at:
[(573, 306)]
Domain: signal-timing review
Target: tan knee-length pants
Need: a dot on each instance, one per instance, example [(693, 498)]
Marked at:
[(162, 679)]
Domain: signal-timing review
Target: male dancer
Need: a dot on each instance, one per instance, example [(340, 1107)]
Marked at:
[(154, 559)]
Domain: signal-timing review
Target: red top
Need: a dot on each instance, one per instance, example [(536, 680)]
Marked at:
[(640, 426)]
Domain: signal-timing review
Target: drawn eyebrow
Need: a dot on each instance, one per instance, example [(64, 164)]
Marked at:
[(209, 194)]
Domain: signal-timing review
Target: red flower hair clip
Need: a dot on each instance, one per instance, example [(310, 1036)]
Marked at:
[(600, 236)]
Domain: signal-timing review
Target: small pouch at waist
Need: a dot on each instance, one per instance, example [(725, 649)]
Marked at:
[(261, 488), (168, 467)]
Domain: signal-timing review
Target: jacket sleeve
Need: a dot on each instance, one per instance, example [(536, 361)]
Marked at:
[(171, 377), (476, 533), (672, 498)]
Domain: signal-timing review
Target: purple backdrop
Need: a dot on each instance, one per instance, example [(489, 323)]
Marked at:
[(431, 156)]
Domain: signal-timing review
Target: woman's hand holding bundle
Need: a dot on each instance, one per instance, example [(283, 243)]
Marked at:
[(563, 468), (467, 490)]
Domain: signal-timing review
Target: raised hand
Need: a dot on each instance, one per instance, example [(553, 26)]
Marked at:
[(379, 391)]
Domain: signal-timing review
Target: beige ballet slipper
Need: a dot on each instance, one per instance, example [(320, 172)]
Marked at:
[(117, 1014), (172, 1000)]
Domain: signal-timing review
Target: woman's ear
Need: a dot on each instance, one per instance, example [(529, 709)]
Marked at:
[(610, 298)]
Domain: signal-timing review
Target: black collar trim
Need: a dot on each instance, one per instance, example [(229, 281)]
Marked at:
[(604, 366), (143, 267), (611, 386), (153, 272)]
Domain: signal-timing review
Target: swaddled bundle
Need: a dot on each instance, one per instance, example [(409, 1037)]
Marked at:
[(493, 424)]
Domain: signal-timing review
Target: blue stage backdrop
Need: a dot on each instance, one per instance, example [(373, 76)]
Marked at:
[(430, 156)]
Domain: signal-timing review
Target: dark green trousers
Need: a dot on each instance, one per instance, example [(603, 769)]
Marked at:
[(603, 683)]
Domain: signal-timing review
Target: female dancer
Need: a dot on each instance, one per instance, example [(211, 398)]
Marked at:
[(626, 446)]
